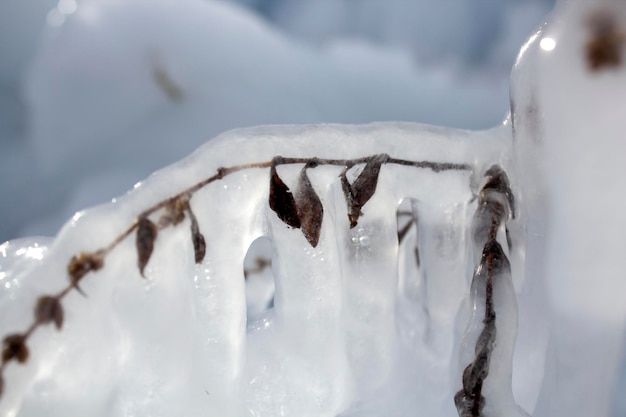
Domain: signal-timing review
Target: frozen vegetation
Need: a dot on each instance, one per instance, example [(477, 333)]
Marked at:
[(415, 270)]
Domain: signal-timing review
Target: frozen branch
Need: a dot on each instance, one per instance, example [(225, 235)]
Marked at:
[(304, 211)]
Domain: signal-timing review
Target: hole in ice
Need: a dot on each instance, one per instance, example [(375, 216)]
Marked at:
[(257, 268), (408, 249)]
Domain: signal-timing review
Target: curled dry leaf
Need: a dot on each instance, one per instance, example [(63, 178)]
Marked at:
[(499, 182), (310, 209), (199, 247), (14, 347), (347, 192), (282, 201), (363, 188), (81, 264), (345, 185), (199, 243), (146, 235), (48, 309)]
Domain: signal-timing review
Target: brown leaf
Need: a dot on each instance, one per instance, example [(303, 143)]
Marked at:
[(282, 201), (310, 209), (83, 263), (14, 347), (347, 192), (199, 247), (49, 309), (363, 188), (498, 181), (345, 185), (199, 244), (146, 235)]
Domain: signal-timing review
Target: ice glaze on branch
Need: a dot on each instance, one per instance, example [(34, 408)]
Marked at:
[(304, 211), (495, 208)]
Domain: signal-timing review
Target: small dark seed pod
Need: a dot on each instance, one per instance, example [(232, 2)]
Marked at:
[(14, 347), (48, 309)]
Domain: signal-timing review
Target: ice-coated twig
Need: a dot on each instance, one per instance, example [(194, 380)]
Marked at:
[(305, 209), (495, 208)]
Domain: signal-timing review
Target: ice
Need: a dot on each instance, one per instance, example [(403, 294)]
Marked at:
[(572, 143), (514, 308), (330, 338)]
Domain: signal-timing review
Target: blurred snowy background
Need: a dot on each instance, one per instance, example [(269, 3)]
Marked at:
[(97, 94)]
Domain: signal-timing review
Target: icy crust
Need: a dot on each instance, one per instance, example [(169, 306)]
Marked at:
[(175, 343), (567, 94)]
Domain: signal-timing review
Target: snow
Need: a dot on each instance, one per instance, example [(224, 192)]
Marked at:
[(351, 326)]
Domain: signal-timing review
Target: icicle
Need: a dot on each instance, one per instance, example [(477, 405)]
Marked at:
[(487, 351), (296, 360)]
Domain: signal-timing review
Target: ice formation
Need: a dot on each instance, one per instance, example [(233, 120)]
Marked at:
[(504, 297)]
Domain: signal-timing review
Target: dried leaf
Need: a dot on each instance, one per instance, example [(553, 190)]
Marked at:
[(310, 209), (345, 185), (83, 263), (14, 347), (347, 193), (146, 235), (199, 243), (199, 247), (49, 309), (363, 187), (282, 201), (499, 182)]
